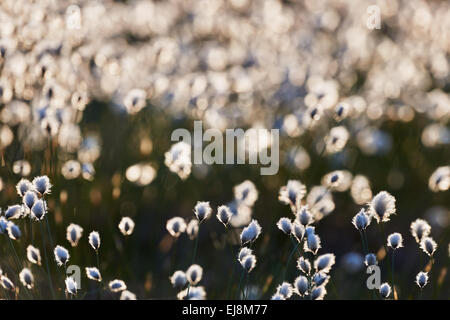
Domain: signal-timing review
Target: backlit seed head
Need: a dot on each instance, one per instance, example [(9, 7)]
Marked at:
[(336, 139), (73, 234), (23, 186), (26, 277), (126, 226), (243, 253), (428, 245), (341, 111), (14, 212), (13, 230), (304, 216), (301, 285), (298, 231), (382, 206), (61, 255), (333, 179), (292, 192), (440, 179), (304, 265), (324, 263), (178, 279), (38, 210), (385, 290), (422, 279), (362, 220), (285, 225), (176, 226), (6, 283), (224, 215), (251, 232), (194, 274), (248, 262), (202, 210), (420, 229), (3, 225), (33, 255), (42, 185), (93, 273), (94, 240), (318, 293), (117, 285), (370, 260), (127, 295), (285, 289), (312, 244), (246, 193), (320, 279), (277, 296), (29, 199), (395, 240), (195, 293), (192, 229), (71, 286)]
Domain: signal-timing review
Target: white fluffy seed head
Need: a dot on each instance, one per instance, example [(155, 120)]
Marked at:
[(176, 226), (117, 285), (312, 244), (246, 193), (194, 274), (324, 263), (192, 293), (26, 277), (370, 260), (382, 206), (251, 232), (94, 240), (93, 274), (318, 293), (420, 229), (248, 262), (42, 185), (71, 286), (422, 279), (61, 255), (292, 192), (385, 290), (301, 285), (192, 229), (23, 186), (285, 289), (73, 234), (178, 279), (395, 240), (361, 220), (127, 295), (224, 214), (304, 265), (304, 216), (126, 226), (428, 245), (298, 231), (285, 225), (202, 210)]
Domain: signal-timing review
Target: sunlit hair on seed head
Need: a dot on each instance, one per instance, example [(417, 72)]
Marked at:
[(285, 225), (73, 234), (117, 285), (385, 290), (202, 210), (61, 255), (428, 245), (6, 283), (33, 255), (304, 265), (94, 240), (382, 206), (71, 286), (291, 193), (127, 295), (26, 277), (318, 293), (93, 273), (23, 186), (13, 230), (248, 262), (192, 228), (178, 279), (42, 185), (192, 293), (38, 210), (176, 226), (324, 263), (422, 279), (362, 220), (126, 226), (224, 214), (251, 232), (285, 289), (395, 240), (14, 212), (420, 229), (194, 274), (301, 285), (29, 199)]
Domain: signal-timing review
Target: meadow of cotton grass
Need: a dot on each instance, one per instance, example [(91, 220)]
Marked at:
[(97, 201)]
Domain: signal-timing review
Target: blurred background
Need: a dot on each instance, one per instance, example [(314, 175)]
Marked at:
[(90, 92)]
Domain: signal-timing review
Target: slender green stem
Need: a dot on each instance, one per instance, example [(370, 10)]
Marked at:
[(289, 259), (98, 260), (194, 255), (393, 283)]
